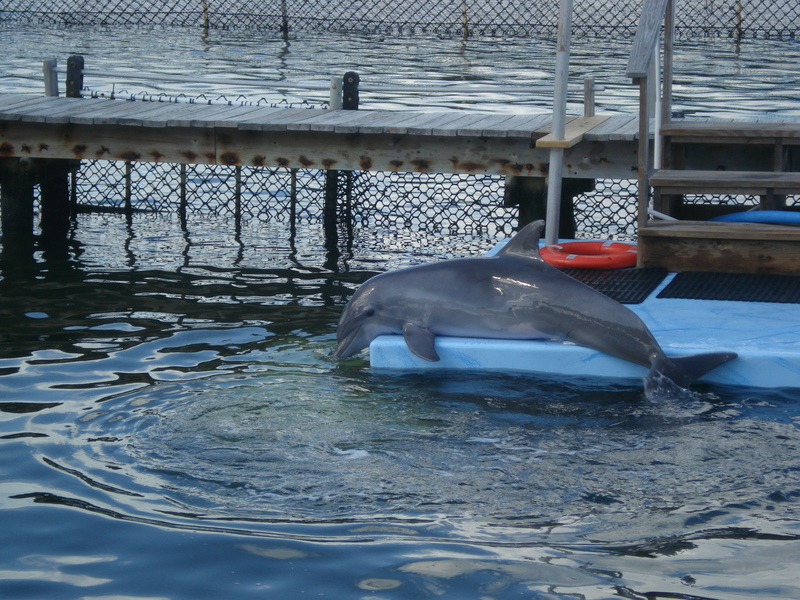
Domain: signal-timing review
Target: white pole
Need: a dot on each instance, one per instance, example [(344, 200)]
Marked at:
[(336, 93), (655, 75), (559, 122)]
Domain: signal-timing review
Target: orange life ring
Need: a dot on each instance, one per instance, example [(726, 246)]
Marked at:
[(590, 255)]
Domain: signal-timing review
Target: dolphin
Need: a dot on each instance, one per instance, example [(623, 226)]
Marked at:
[(514, 294)]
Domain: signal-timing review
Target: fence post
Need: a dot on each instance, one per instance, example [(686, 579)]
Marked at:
[(238, 199), (205, 16), (50, 77), (293, 203), (128, 191), (74, 76), (588, 97), (335, 102), (739, 21), (284, 20), (182, 204), (56, 177), (350, 83)]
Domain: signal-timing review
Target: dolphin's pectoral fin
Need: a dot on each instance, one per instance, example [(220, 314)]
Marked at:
[(420, 341)]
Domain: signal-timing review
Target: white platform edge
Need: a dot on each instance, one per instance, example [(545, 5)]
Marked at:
[(766, 336)]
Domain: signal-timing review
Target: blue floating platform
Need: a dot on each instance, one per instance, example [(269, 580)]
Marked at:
[(766, 335)]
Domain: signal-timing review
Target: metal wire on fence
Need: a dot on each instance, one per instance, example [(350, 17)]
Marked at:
[(454, 204), (448, 203), (719, 18)]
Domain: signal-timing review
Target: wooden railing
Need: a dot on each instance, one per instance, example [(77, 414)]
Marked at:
[(643, 69), (75, 69)]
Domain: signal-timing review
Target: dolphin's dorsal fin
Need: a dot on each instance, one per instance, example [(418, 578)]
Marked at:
[(526, 241), (420, 341)]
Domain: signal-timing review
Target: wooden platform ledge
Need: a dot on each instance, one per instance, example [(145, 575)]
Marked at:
[(725, 182), (720, 246), (574, 132)]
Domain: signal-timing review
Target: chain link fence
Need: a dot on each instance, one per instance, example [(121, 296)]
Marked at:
[(725, 18), (453, 204), (447, 203)]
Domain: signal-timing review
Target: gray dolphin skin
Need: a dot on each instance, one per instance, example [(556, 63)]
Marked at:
[(512, 295)]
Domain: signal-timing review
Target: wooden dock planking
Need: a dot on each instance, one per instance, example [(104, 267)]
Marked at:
[(520, 125), (376, 122), (278, 120), (101, 114), (327, 120), (231, 119), (443, 141), (452, 128), (478, 125), (622, 127), (45, 109), (416, 123), (137, 114), (497, 126), (11, 109)]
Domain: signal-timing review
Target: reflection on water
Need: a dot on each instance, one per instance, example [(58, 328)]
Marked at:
[(181, 403), (173, 424)]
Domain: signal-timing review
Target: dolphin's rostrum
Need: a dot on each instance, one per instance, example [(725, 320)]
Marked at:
[(512, 295)]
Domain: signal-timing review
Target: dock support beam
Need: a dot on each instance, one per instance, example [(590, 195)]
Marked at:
[(530, 195), (56, 197), (17, 178)]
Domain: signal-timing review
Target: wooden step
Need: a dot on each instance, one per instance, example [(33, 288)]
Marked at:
[(732, 131), (718, 246), (759, 183)]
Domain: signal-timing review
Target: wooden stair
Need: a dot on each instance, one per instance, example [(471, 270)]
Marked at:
[(759, 183), (722, 158), (716, 246)]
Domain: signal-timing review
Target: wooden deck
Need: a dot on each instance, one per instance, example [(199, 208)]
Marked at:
[(34, 126)]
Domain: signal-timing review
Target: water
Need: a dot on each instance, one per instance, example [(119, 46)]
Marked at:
[(173, 424)]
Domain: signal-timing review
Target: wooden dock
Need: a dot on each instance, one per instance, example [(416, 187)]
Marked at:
[(371, 140)]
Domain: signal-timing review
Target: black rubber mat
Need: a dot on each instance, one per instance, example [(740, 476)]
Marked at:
[(734, 286), (628, 286)]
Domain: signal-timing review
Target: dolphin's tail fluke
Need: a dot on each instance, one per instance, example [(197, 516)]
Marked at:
[(682, 370)]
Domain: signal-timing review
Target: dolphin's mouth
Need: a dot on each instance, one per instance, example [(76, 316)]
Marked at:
[(343, 347), (346, 337)]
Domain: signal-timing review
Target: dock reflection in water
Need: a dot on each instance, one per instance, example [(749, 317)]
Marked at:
[(177, 412)]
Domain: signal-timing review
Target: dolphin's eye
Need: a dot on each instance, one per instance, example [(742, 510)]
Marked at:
[(369, 312)]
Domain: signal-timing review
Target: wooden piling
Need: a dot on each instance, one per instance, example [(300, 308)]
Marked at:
[(50, 77), (75, 76), (17, 178), (53, 177), (333, 177)]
